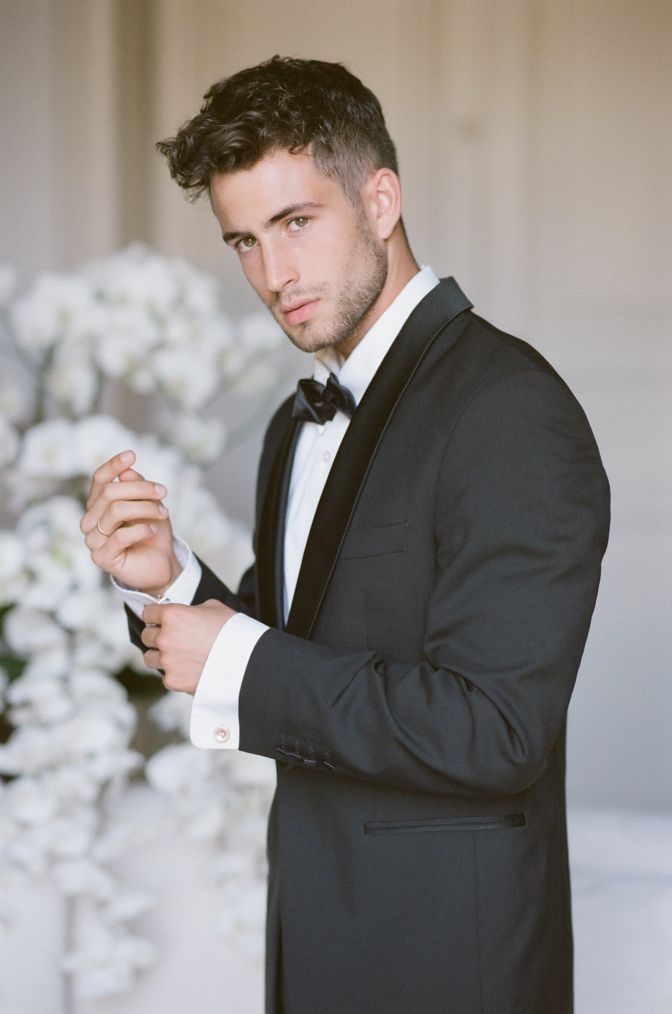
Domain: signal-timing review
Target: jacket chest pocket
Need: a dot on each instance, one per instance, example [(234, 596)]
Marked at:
[(380, 541)]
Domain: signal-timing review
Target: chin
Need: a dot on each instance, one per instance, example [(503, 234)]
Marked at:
[(308, 341)]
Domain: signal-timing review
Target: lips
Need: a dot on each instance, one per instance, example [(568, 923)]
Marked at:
[(299, 311)]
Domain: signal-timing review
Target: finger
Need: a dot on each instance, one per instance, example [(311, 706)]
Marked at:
[(152, 659), (149, 635), (95, 540), (140, 489), (108, 471), (114, 491), (130, 475), (107, 554), (124, 512), (153, 613), (103, 530)]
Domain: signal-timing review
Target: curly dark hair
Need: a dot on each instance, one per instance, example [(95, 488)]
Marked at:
[(283, 104)]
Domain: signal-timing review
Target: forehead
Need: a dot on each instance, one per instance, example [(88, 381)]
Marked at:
[(278, 180)]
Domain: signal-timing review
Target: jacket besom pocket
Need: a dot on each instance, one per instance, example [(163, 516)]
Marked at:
[(380, 541), (492, 822)]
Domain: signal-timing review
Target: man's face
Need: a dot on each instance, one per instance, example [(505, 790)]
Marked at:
[(312, 257)]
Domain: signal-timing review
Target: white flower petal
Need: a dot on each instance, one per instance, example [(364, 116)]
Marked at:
[(72, 379), (98, 438), (127, 905), (81, 876), (28, 802), (47, 450), (30, 631)]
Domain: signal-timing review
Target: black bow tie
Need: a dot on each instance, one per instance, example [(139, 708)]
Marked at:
[(318, 403)]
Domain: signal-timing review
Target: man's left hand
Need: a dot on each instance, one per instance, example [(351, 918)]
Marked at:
[(179, 639)]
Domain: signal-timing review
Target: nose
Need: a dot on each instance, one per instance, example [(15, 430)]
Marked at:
[(280, 269)]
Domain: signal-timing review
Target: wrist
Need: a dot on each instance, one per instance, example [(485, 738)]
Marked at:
[(175, 571)]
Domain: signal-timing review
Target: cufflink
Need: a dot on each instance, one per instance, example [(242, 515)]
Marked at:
[(221, 734)]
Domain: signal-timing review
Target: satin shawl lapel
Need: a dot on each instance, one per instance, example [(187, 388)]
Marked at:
[(270, 531), (359, 446)]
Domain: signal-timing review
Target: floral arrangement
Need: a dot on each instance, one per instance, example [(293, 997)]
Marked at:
[(135, 324)]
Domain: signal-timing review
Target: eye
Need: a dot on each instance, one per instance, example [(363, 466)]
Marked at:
[(298, 223), (245, 243)]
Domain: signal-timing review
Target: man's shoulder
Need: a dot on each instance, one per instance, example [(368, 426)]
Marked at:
[(490, 371), (484, 354), (501, 350)]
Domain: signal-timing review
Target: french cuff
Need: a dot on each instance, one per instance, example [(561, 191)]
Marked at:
[(214, 710), (181, 591)]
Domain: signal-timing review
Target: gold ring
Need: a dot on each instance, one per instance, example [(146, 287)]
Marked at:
[(106, 534)]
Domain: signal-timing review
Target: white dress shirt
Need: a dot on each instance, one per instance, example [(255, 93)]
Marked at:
[(214, 713)]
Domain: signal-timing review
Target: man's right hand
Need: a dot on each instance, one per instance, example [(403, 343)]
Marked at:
[(127, 527)]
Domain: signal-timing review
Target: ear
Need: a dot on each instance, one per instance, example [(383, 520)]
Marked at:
[(382, 200)]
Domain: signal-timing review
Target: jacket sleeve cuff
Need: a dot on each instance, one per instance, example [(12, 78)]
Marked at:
[(214, 712)]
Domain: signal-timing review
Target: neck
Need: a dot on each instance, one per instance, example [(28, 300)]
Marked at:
[(402, 266)]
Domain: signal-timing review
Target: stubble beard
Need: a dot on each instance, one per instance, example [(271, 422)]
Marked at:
[(360, 289)]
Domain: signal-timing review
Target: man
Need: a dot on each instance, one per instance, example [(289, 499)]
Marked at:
[(431, 517)]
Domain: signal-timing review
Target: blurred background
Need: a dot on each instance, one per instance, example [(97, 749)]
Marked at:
[(535, 143)]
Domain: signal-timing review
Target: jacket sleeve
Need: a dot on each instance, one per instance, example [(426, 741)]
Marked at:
[(521, 513)]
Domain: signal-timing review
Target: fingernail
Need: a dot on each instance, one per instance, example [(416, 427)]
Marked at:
[(152, 529), (163, 511), (127, 456), (161, 490)]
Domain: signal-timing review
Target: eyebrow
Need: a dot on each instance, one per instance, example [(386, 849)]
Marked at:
[(291, 209)]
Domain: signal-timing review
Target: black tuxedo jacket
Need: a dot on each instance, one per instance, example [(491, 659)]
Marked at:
[(416, 701)]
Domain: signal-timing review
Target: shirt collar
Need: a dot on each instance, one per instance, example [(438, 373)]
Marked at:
[(357, 371)]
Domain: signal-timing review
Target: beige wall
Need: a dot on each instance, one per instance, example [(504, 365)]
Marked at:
[(535, 143)]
